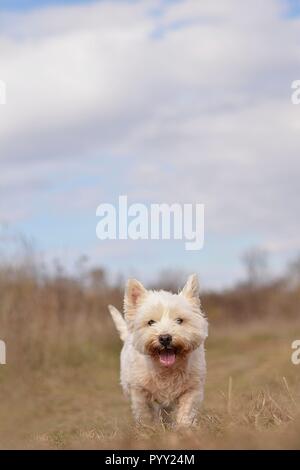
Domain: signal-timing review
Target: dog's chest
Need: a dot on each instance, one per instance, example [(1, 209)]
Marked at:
[(166, 388)]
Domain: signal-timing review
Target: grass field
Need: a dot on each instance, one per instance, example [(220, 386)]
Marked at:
[(73, 399)]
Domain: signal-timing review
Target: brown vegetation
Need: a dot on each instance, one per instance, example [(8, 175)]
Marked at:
[(60, 387)]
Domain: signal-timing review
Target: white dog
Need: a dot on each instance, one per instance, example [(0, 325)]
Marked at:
[(163, 360)]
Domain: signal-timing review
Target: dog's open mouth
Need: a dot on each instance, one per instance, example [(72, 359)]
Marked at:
[(167, 357)]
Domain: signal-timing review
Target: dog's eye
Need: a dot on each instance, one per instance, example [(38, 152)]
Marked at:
[(151, 322), (179, 321)]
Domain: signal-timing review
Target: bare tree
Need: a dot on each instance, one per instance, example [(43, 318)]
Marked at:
[(294, 272), (256, 263)]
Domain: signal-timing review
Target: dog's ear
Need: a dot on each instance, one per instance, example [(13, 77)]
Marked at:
[(134, 294), (191, 289)]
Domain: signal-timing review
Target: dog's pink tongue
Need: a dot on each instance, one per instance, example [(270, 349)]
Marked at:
[(167, 358)]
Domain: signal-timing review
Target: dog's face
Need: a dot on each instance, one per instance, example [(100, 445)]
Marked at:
[(163, 325)]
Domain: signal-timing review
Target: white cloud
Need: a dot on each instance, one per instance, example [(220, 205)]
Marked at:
[(195, 98)]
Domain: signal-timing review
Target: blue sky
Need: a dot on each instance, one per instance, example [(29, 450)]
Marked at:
[(293, 5), (188, 105), (30, 4)]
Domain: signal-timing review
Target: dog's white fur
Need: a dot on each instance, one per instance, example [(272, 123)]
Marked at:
[(156, 389)]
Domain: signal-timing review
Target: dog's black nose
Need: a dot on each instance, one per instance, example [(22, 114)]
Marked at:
[(165, 340)]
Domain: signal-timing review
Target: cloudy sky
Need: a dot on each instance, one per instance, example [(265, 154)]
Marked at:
[(165, 101)]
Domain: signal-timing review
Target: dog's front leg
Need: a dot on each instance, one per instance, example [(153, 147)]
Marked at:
[(141, 406), (188, 404)]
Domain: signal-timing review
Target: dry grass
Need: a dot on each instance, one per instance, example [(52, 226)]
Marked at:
[(60, 387)]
